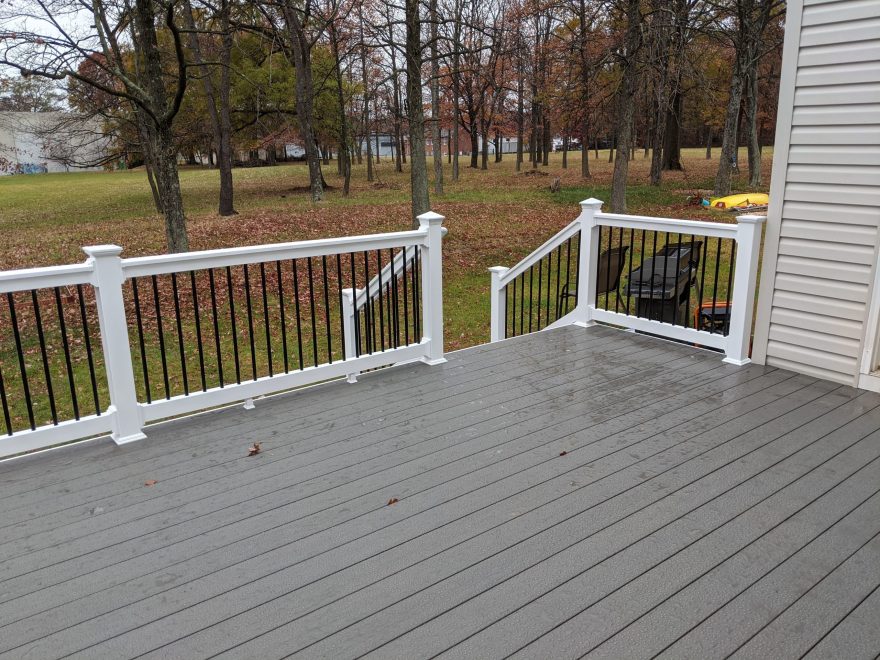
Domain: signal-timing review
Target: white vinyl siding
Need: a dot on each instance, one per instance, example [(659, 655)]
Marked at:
[(821, 253)]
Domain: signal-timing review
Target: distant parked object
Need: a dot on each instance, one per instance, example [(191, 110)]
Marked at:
[(40, 142)]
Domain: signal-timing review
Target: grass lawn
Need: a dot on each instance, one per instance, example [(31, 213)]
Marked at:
[(494, 217)]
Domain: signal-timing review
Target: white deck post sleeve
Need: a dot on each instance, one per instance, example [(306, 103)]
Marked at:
[(348, 311), (748, 250), (126, 413), (432, 287), (588, 260), (498, 304)]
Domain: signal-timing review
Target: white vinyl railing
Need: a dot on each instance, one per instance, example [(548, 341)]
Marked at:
[(106, 273), (588, 251)]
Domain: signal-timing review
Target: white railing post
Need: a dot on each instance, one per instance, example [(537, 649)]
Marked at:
[(432, 287), (108, 279), (348, 311), (588, 259), (498, 304), (748, 249)]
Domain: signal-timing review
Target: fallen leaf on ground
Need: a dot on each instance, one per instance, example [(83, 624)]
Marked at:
[(254, 449), (563, 453), (393, 500), (150, 482)]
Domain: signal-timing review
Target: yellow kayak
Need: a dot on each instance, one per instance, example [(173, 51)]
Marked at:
[(744, 200)]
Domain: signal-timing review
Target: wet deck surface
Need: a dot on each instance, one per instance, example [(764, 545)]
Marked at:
[(574, 492)]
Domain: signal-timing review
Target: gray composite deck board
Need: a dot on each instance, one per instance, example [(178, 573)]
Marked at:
[(578, 491)]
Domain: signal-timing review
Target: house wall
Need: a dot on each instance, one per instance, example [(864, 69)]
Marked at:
[(39, 142), (820, 251)]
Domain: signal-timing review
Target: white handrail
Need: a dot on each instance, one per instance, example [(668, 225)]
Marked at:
[(27, 279), (746, 232)]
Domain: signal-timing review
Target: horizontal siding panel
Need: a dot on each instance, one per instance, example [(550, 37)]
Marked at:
[(834, 155), (830, 232), (812, 304), (838, 12), (864, 114), (840, 213), (838, 368), (853, 175), (841, 53), (795, 318), (836, 135), (813, 192), (838, 95), (838, 74), (843, 32), (809, 369), (843, 252), (854, 273), (817, 341)]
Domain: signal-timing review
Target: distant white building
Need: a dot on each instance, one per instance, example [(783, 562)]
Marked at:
[(39, 142)]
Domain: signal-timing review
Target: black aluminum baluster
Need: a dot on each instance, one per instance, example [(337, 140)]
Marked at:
[(161, 331), (687, 303), (540, 268), (665, 272), (632, 249), (355, 311), (549, 279), (726, 326), (381, 304), (198, 320), (369, 318), (608, 267), (282, 316), (88, 342), (512, 312), (522, 301), (395, 297), (266, 317), (417, 291), (5, 403), (702, 286), (45, 356), (327, 322), (715, 284), (677, 273), (577, 271), (558, 281), (567, 287), (299, 341), (250, 319), (339, 297), (214, 318), (140, 328), (312, 309), (617, 291), (231, 291), (405, 300), (16, 334), (179, 334), (65, 344), (652, 304), (531, 280)]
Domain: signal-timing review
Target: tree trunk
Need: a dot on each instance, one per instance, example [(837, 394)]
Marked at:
[(484, 151), (565, 152), (726, 162), (708, 143), (672, 136), (475, 144), (625, 106), (168, 184), (754, 147), (436, 137), (224, 148), (520, 116), (548, 139), (421, 202), (344, 155), (302, 62), (498, 147)]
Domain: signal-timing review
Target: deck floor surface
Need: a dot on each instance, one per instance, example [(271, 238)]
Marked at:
[(577, 492)]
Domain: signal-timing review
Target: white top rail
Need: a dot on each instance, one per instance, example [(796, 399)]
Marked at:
[(27, 279), (186, 261), (550, 244), (671, 225)]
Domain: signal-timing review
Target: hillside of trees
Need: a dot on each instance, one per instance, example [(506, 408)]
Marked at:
[(445, 81)]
